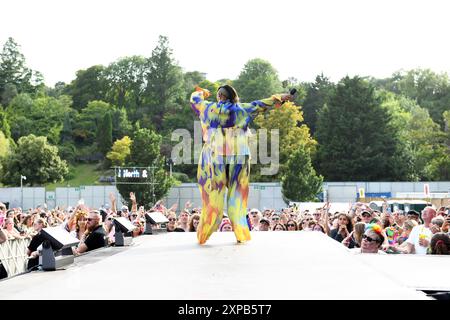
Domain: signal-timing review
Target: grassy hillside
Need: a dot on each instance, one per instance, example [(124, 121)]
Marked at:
[(84, 174)]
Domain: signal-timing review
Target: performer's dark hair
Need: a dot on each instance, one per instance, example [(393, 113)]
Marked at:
[(231, 93)]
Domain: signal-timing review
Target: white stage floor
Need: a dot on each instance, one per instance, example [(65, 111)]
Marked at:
[(273, 265)]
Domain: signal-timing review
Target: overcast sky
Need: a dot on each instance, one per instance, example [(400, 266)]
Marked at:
[(299, 38)]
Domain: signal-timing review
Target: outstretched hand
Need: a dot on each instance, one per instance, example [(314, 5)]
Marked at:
[(188, 204), (206, 92), (287, 97)]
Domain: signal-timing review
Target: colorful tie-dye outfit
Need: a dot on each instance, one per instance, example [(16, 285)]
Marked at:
[(225, 161)]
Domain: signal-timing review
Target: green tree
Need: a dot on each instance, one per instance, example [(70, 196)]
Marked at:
[(299, 182), (66, 132), (57, 91), (120, 150), (145, 152), (427, 88), (419, 137), (317, 94), (440, 164), (257, 80), (164, 82), (13, 71), (292, 135), (9, 92), (89, 85), (356, 139), (104, 134), (121, 125), (36, 159), (42, 116), (126, 84), (84, 128), (5, 146), (4, 125)]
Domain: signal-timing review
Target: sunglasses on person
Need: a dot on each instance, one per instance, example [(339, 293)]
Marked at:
[(134, 215), (369, 239), (172, 219), (275, 218), (291, 225), (110, 219), (89, 219)]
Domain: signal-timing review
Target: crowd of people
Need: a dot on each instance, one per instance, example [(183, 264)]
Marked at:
[(361, 229)]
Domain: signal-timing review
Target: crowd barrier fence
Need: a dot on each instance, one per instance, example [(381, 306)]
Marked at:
[(13, 255)]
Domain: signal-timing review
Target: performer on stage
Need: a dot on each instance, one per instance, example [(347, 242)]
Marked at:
[(225, 158)]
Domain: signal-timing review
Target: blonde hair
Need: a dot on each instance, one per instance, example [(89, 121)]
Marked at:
[(79, 214), (410, 224)]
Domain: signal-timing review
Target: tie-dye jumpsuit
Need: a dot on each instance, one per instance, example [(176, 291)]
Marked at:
[(225, 162)]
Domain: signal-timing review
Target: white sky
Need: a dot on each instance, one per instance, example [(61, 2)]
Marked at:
[(299, 38)]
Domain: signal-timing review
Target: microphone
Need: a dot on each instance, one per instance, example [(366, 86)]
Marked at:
[(293, 93)]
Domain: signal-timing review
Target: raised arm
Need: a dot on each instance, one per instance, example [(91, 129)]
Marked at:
[(112, 198), (198, 102), (264, 104), (261, 105), (133, 202)]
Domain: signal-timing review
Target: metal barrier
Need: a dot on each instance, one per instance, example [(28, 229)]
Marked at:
[(13, 255)]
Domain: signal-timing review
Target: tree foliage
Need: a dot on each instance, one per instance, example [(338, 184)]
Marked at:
[(89, 85), (356, 139), (15, 76), (429, 89), (145, 152), (104, 134), (36, 159), (257, 80), (42, 116), (120, 151), (317, 95), (299, 180), (287, 120)]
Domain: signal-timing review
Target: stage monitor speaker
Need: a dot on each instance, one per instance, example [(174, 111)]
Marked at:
[(122, 226), (59, 238), (155, 218), (56, 248)]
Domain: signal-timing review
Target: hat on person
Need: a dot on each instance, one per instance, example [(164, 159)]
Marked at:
[(264, 220), (124, 207), (413, 212), (366, 212)]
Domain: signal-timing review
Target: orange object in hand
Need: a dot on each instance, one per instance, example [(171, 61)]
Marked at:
[(206, 92)]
